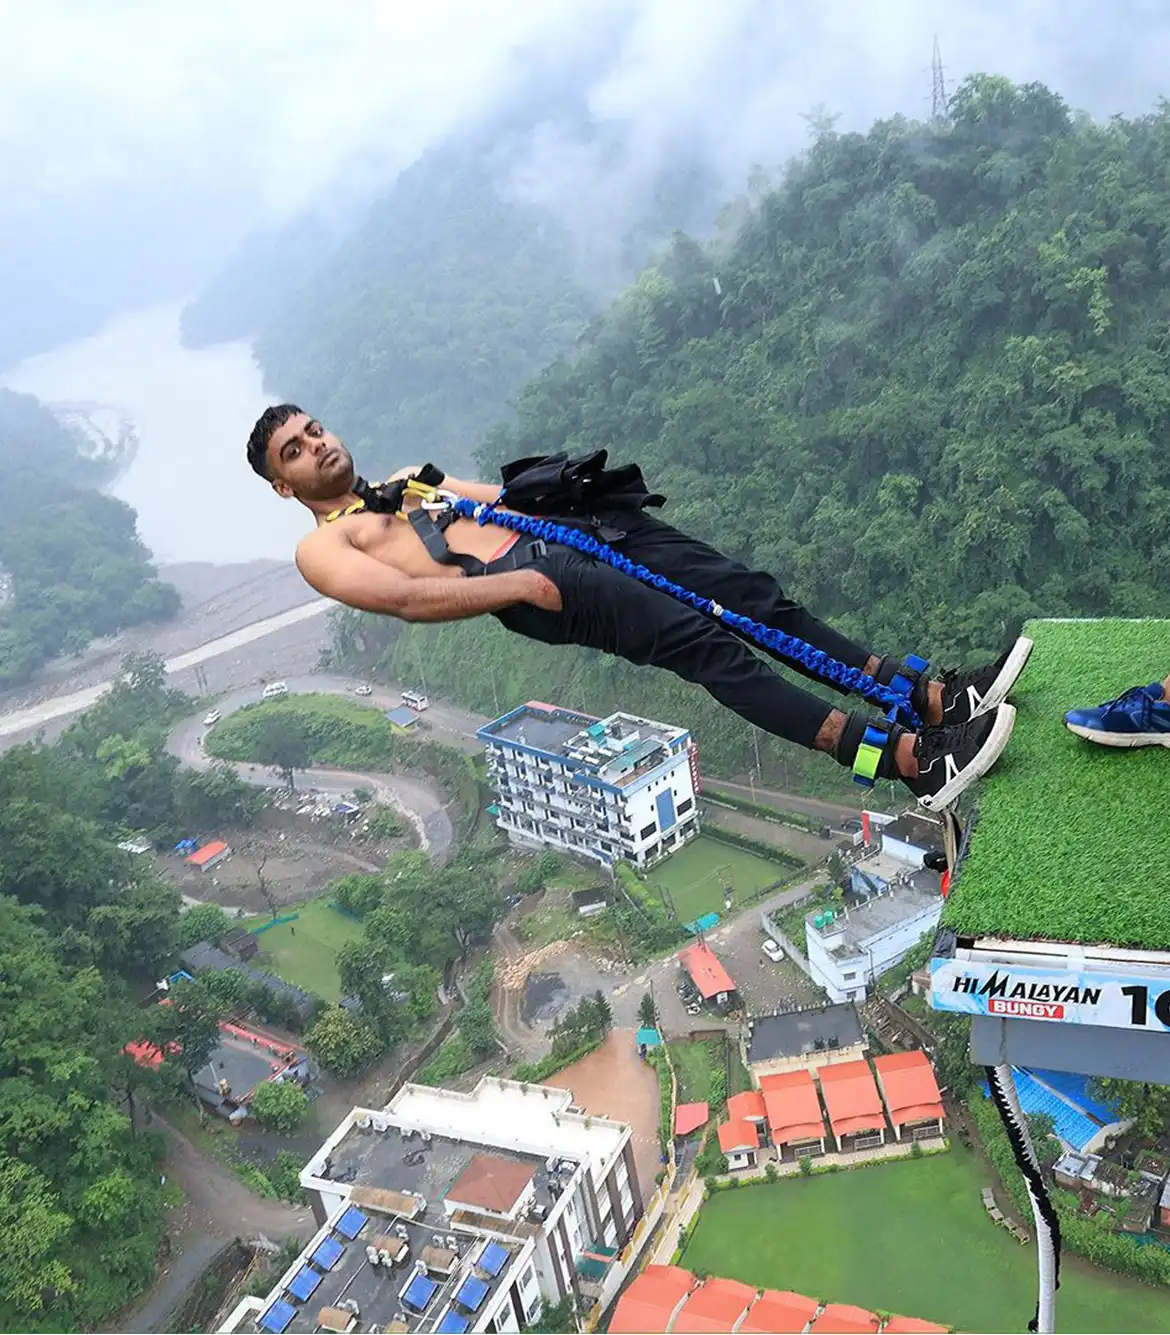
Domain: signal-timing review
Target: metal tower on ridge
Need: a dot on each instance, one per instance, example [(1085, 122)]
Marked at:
[(938, 91)]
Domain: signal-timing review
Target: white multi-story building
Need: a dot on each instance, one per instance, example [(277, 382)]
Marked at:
[(607, 789), (895, 899), (458, 1212)]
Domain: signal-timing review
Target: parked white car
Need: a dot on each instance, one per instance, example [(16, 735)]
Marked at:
[(773, 950), (273, 689), (363, 689), (213, 717)]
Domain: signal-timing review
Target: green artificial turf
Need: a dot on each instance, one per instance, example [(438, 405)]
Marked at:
[(692, 876), (909, 1237), (1071, 838)]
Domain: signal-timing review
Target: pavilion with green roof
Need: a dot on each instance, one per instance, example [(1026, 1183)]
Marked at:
[(1063, 880)]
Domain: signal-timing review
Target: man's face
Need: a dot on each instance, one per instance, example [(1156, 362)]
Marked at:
[(308, 462)]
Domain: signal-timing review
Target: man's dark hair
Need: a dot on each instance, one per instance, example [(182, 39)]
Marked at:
[(268, 421)]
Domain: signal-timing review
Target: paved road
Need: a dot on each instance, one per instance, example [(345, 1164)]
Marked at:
[(417, 801), (36, 716), (808, 806)]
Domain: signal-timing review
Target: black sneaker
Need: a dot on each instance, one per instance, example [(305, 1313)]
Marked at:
[(970, 694), (951, 759)]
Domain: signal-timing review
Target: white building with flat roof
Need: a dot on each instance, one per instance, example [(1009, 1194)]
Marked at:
[(893, 900), (607, 789), (458, 1212)]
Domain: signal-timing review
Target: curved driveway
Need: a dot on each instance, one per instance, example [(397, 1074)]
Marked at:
[(417, 801)]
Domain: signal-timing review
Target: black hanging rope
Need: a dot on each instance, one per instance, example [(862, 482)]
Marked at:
[(999, 1080)]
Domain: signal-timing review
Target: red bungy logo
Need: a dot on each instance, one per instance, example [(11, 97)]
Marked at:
[(1026, 1010)]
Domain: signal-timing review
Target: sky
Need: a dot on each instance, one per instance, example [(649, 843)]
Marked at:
[(140, 139)]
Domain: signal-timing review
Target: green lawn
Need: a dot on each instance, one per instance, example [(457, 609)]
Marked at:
[(909, 1237), (694, 1064), (692, 876), (1066, 837), (303, 952)]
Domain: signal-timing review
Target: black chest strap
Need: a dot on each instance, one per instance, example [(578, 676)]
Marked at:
[(432, 534)]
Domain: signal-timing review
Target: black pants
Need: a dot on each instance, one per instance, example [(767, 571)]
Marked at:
[(606, 610)]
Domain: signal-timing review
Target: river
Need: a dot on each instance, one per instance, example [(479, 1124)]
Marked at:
[(196, 497)]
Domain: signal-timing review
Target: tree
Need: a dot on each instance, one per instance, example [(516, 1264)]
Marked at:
[(603, 1012), (556, 1318), (185, 1027), (280, 1105), (33, 1231), (358, 893), (342, 1044), (207, 799), (477, 1024), (202, 922), (69, 1163), (1147, 1105), (648, 1011), (280, 741)]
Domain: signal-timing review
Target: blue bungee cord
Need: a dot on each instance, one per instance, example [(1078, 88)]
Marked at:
[(896, 702)]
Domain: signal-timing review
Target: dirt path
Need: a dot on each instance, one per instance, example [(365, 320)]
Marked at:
[(221, 1201), (217, 1208)]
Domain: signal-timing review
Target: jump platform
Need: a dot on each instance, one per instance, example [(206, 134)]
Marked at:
[(1056, 933)]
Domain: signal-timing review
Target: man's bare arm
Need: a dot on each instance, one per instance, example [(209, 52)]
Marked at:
[(342, 572), (487, 492)]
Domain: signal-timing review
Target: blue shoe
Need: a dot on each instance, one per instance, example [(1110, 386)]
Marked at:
[(1140, 717)]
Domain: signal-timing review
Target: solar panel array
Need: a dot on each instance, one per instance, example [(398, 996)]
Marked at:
[(419, 1292), (277, 1318), (328, 1254), (493, 1259), (471, 1293), (351, 1223)]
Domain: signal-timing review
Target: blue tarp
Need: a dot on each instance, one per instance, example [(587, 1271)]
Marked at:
[(648, 1038), (1074, 1128), (419, 1292), (304, 1282), (1076, 1087), (471, 1293), (278, 1316), (328, 1254), (494, 1259), (703, 924), (351, 1223), (452, 1324)]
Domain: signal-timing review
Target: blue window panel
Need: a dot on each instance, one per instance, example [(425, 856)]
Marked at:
[(452, 1324), (419, 1292), (278, 1316), (471, 1294), (665, 804), (351, 1223), (494, 1259), (328, 1254), (304, 1282)]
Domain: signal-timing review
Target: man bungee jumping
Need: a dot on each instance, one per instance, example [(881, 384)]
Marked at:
[(439, 566)]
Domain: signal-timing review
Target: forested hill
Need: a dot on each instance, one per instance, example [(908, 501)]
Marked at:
[(411, 336), (413, 332), (71, 563), (926, 385)]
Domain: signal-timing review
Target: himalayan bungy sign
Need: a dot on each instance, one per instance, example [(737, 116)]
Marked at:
[(1114, 1000)]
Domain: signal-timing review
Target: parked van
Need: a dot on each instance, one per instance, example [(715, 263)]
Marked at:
[(273, 689), (415, 700)]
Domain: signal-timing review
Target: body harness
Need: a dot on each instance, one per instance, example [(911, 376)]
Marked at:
[(554, 484), (554, 480)]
